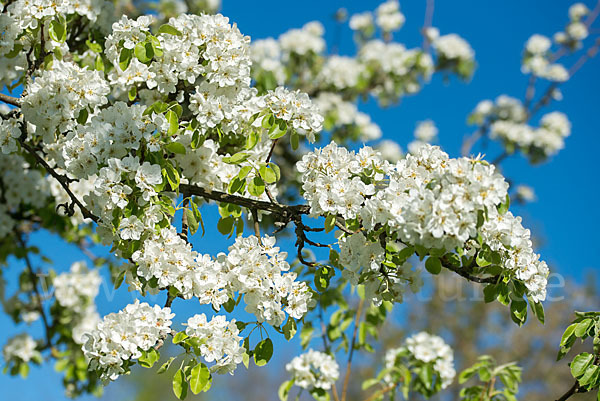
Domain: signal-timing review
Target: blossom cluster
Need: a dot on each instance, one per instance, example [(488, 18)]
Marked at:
[(111, 134), (453, 52), (423, 348), (537, 60), (508, 121), (220, 341), (342, 115), (205, 46), (256, 269), (313, 369), (426, 199), (20, 347), (121, 337), (29, 12), (505, 234), (394, 70), (21, 185), (75, 290), (576, 30), (55, 98), (425, 132), (388, 16)]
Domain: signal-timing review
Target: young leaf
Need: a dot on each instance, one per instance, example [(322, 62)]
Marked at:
[(180, 386), (263, 352), (176, 147), (171, 30), (171, 117), (199, 377)]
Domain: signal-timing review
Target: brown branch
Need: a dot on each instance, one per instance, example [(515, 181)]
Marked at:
[(351, 352), (271, 151), (38, 296), (470, 277), (256, 226), (285, 211), (574, 388), (63, 180), (184, 222), (10, 100)]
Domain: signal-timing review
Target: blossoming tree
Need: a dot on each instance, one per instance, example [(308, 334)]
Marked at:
[(132, 121)]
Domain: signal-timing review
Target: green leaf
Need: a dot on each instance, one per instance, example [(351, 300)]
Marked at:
[(165, 366), (518, 311), (294, 140), (176, 147), (144, 52), (132, 94), (172, 176), (322, 278), (58, 30), (95, 47), (580, 364), (329, 223), (198, 216), (268, 175), (284, 390), (263, 352), (306, 334), (490, 293), (99, 63), (191, 221), (582, 327), (149, 358), (180, 385), (237, 158), (24, 370), (83, 116), (290, 328), (433, 265), (538, 311), (179, 337), (199, 378), (171, 117), (252, 139), (171, 30), (503, 207), (570, 331), (155, 43), (225, 225), (590, 376), (256, 187), (125, 58), (319, 394)]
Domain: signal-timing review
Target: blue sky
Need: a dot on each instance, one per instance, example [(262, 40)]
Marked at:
[(565, 215)]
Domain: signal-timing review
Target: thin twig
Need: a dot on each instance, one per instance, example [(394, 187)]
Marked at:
[(381, 392), (427, 24), (36, 291), (351, 352)]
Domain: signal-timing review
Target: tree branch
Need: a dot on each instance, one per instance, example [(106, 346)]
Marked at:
[(38, 296), (470, 277), (351, 352), (62, 179), (10, 100), (285, 211)]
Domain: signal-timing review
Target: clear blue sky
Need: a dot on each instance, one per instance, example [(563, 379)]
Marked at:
[(565, 215)]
